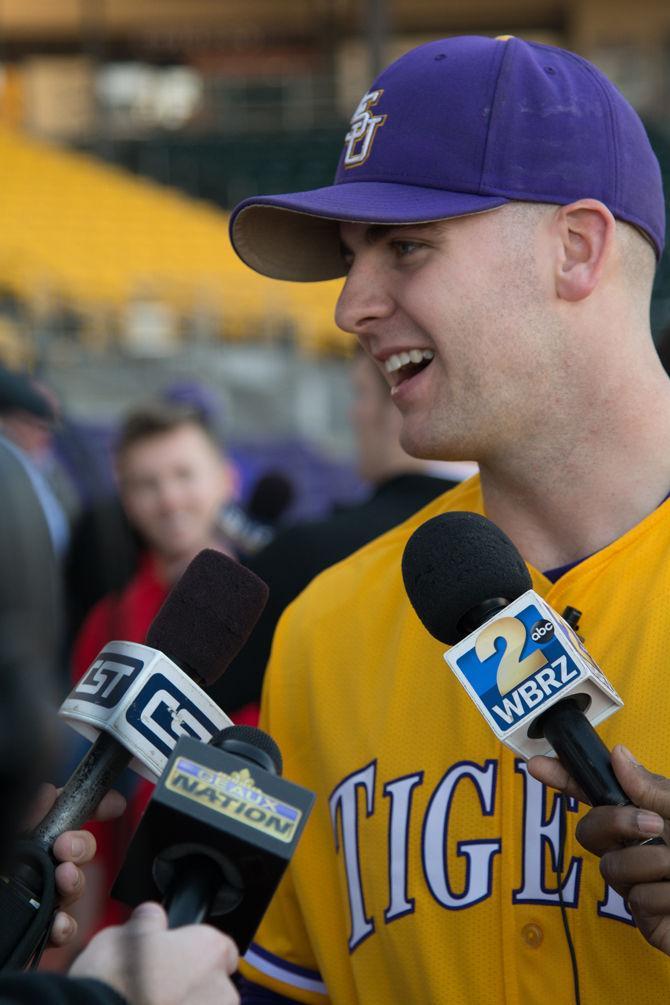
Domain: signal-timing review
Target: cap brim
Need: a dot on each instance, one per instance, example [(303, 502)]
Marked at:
[(296, 236)]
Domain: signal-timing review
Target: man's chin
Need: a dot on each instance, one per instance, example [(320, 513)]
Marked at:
[(178, 549), (424, 448)]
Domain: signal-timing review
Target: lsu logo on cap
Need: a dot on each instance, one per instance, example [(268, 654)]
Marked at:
[(364, 125)]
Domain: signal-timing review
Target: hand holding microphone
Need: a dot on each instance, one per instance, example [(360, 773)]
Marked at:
[(523, 666), (138, 700), (537, 687), (71, 850), (621, 836), (191, 964), (218, 833), (135, 701)]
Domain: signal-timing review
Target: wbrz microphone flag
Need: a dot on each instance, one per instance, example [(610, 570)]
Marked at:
[(520, 663)]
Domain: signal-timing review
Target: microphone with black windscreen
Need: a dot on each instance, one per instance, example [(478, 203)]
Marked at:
[(135, 702), (272, 494), (217, 834), (521, 663), (200, 628), (252, 526)]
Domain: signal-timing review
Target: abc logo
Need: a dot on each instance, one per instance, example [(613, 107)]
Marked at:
[(542, 632)]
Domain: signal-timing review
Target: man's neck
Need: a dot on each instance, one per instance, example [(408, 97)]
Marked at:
[(583, 492)]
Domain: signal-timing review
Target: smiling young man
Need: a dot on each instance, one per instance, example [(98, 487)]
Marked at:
[(498, 213), (173, 481)]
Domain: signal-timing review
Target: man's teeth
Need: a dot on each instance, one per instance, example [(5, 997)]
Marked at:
[(401, 359)]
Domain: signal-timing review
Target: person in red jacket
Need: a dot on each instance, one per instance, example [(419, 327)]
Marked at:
[(173, 480)]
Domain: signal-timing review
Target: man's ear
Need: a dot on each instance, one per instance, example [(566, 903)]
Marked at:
[(584, 233)]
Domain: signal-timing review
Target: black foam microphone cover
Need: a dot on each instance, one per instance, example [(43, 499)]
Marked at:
[(208, 615), (459, 569), (202, 625), (271, 496), (252, 743), (455, 561)]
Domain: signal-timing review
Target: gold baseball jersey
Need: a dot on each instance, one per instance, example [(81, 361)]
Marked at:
[(427, 871)]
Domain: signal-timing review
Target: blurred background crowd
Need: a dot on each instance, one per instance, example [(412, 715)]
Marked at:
[(127, 130), (160, 396)]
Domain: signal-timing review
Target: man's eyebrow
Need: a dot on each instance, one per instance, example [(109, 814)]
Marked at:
[(374, 233), (378, 231)]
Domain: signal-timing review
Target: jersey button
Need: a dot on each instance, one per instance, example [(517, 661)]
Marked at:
[(532, 935)]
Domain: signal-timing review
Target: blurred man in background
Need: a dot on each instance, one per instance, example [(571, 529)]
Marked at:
[(173, 480), (27, 416), (105, 547)]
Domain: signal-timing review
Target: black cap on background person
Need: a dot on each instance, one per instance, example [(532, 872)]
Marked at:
[(18, 393)]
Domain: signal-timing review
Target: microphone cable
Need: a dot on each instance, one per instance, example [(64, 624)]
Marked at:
[(572, 616), (39, 862), (558, 871)]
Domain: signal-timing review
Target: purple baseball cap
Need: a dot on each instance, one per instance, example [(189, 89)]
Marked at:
[(456, 127)]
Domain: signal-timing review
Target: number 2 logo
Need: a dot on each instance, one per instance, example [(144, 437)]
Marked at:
[(512, 670)]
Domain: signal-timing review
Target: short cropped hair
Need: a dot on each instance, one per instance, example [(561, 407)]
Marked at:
[(155, 419)]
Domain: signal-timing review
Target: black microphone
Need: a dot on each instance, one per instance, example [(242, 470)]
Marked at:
[(271, 496), (139, 699), (217, 835), (201, 626), (460, 570), (253, 526)]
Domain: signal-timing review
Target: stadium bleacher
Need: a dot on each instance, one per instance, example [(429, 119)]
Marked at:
[(94, 234)]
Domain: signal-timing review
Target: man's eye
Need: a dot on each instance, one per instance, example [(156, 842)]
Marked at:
[(404, 248)]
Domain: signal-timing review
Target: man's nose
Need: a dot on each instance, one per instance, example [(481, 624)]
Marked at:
[(168, 495), (365, 299)]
